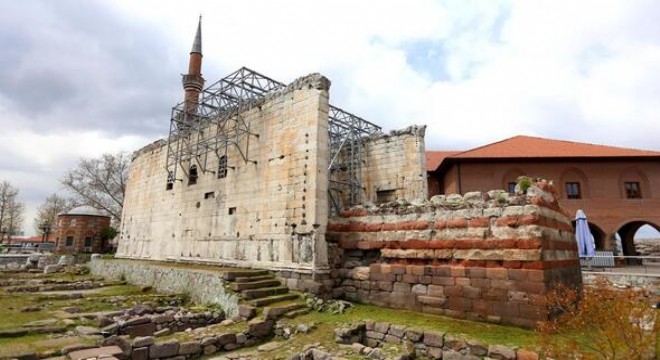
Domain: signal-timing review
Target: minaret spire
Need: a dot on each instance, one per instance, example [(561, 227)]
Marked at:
[(197, 44), (193, 82)]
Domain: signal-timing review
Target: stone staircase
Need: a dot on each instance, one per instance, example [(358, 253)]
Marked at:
[(262, 290)]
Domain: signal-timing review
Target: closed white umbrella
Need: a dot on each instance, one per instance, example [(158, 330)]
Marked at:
[(585, 240)]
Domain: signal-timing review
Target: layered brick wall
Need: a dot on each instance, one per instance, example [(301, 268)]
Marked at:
[(478, 256), (81, 227)]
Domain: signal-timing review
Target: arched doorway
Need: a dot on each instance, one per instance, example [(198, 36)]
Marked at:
[(635, 230)]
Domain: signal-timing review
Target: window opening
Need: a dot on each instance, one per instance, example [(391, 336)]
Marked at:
[(69, 241), (170, 181), (222, 167), (88, 241), (633, 190), (192, 178), (209, 195), (232, 210), (573, 190), (385, 196), (511, 186)]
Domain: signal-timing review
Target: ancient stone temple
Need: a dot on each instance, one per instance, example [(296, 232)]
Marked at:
[(252, 170), (261, 174)]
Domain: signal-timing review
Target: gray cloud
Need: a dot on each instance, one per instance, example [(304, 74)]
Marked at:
[(83, 65)]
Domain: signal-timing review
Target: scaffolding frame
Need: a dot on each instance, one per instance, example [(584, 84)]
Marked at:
[(209, 127)]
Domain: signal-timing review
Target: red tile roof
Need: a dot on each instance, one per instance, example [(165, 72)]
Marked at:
[(534, 147), (435, 158)]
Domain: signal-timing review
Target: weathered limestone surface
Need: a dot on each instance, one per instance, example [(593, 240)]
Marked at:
[(395, 164), (268, 206), (203, 286), (269, 212)]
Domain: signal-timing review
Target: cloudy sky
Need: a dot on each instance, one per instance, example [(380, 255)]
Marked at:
[(80, 78)]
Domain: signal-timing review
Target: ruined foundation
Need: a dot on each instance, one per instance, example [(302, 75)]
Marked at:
[(483, 257)]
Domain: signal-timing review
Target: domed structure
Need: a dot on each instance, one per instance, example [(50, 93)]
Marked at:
[(80, 230), (85, 210)]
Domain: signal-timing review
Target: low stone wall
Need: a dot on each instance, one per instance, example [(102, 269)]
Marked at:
[(479, 256), (146, 347), (649, 282), (366, 337), (158, 322), (203, 286)]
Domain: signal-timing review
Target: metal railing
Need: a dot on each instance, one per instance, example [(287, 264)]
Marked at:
[(607, 261)]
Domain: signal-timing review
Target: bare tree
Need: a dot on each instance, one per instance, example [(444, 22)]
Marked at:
[(48, 211), (14, 218), (100, 182), (8, 199)]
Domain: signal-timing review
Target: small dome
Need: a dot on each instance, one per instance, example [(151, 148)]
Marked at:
[(85, 210)]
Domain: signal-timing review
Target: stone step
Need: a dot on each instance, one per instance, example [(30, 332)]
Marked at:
[(274, 312), (263, 292), (273, 299), (243, 279), (233, 274), (254, 285), (296, 313)]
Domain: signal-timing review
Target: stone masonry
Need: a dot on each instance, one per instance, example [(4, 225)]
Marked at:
[(272, 211), (478, 256)]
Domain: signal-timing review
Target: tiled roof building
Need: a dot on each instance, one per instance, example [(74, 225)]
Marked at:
[(618, 188)]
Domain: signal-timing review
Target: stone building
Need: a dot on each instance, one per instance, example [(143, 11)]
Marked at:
[(618, 188), (257, 173), (81, 230), (253, 169)]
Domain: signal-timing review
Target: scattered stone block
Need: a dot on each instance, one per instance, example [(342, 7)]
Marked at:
[(146, 329), (140, 353), (86, 330), (434, 339), (501, 352), (190, 348), (96, 353), (166, 349), (260, 328), (210, 349), (143, 341), (224, 339), (247, 311), (75, 347)]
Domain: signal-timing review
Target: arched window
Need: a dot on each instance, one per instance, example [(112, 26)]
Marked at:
[(575, 184), (633, 184), (510, 179), (192, 176)]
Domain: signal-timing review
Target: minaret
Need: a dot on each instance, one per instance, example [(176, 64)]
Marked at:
[(193, 82)]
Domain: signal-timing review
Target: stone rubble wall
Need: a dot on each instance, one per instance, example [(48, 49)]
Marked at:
[(146, 347), (368, 336), (204, 287), (161, 321), (269, 212), (484, 257)]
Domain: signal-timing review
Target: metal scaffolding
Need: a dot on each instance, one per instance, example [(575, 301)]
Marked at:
[(203, 132)]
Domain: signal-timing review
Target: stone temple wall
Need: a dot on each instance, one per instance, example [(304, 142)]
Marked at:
[(394, 166), (478, 256), (270, 212)]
